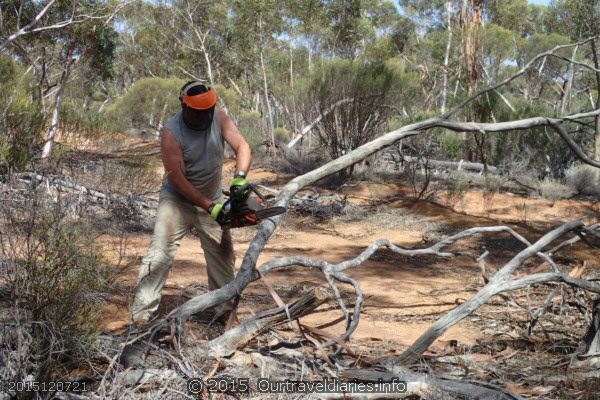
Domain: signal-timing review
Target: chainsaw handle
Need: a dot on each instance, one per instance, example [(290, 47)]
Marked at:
[(257, 193), (252, 188)]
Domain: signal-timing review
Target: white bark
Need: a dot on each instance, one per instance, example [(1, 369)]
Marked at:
[(511, 78), (566, 97), (28, 28), (266, 92), (310, 126), (48, 146), (239, 335), (73, 19), (47, 150), (446, 58), (458, 165)]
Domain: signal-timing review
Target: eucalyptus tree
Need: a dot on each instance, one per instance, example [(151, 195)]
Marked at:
[(52, 38)]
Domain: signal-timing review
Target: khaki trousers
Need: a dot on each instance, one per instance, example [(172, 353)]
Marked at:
[(174, 218)]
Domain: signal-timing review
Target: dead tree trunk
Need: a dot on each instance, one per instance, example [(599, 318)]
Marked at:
[(566, 96)]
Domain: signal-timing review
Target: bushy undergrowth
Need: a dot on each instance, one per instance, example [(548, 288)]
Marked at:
[(293, 162), (456, 189), (554, 190), (135, 174), (250, 124), (148, 102), (583, 179), (21, 120), (452, 145), (56, 281)]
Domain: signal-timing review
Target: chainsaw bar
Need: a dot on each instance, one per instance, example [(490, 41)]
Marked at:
[(269, 212), (253, 218)]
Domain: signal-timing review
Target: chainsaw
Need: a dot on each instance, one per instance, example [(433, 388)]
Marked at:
[(241, 211)]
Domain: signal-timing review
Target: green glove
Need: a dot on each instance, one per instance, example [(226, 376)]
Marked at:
[(216, 212), (239, 189), (239, 181)]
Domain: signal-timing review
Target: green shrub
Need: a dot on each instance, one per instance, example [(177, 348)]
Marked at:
[(553, 190), (229, 98), (147, 103), (452, 145), (281, 135), (492, 185), (250, 124), (89, 121), (22, 122), (357, 92), (294, 162), (583, 179), (456, 190)]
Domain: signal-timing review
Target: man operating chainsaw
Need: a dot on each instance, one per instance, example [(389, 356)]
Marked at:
[(192, 144)]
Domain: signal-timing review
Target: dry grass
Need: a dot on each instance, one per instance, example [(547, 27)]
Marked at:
[(583, 179), (553, 190)]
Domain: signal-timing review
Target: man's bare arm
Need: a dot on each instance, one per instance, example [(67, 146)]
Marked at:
[(172, 158), (240, 146)]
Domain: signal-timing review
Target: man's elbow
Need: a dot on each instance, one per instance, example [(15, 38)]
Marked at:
[(247, 148)]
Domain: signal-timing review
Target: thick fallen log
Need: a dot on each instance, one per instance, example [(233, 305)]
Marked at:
[(238, 336), (456, 165)]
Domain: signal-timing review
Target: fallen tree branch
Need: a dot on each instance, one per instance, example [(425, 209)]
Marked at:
[(69, 183), (238, 336), (457, 165), (498, 283), (333, 272), (267, 227)]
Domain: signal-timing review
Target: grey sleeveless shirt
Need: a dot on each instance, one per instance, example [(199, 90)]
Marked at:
[(203, 156)]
